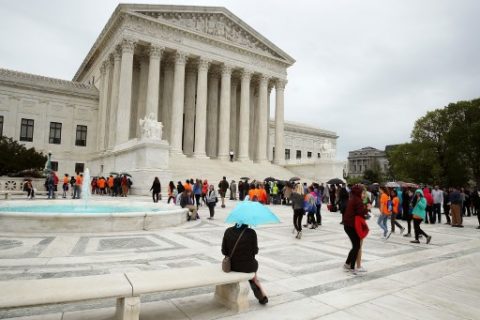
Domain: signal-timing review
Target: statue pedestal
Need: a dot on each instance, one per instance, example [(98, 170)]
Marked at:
[(143, 158)]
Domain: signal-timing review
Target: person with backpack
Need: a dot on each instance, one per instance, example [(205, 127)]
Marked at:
[(310, 208), (318, 203), (385, 212)]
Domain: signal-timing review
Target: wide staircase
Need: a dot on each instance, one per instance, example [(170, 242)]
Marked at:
[(213, 169)]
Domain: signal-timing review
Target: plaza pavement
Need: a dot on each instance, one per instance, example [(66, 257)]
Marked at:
[(303, 278)]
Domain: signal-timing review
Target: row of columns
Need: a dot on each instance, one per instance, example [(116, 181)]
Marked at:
[(115, 109)]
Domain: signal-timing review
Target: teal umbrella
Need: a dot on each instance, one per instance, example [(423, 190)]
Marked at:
[(251, 213)]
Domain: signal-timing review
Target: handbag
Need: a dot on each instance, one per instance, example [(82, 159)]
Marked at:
[(227, 263)]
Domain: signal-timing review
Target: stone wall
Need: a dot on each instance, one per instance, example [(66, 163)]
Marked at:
[(16, 184)]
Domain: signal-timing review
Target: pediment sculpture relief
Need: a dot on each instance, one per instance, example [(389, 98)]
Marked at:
[(213, 24)]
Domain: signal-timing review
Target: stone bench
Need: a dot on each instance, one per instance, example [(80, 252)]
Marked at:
[(8, 194), (231, 288)]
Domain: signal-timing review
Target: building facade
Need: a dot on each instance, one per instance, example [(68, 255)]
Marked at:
[(162, 82), (364, 159)]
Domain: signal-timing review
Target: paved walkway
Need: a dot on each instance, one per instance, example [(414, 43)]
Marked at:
[(303, 278)]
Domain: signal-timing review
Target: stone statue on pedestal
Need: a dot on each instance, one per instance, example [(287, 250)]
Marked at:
[(151, 128)]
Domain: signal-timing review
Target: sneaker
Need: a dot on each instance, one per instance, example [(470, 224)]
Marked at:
[(299, 235), (388, 235), (263, 301), (408, 235), (402, 231), (346, 268), (429, 238), (478, 227), (210, 218), (415, 241), (360, 270)]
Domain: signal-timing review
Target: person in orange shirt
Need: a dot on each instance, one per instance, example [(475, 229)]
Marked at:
[(78, 186), (66, 181), (252, 193), (395, 206), (110, 185), (101, 185), (262, 194), (385, 212)]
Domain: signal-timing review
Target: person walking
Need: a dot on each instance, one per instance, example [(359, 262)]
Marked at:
[(172, 192), (72, 185), (419, 214), (205, 187), (223, 187), (343, 196), (197, 191), (318, 213), (395, 212), (385, 212), (78, 186), (361, 227), (49, 185), (156, 189), (437, 196), (446, 204), (211, 198), (429, 209), (355, 208), (233, 190), (186, 202), (297, 199), (240, 244), (66, 181), (310, 208)]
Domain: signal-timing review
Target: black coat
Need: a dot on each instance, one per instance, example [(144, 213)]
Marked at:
[(243, 259), (156, 188)]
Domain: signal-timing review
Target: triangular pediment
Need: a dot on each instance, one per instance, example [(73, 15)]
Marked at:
[(221, 25)]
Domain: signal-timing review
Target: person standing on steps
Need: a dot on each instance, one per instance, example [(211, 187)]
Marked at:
[(419, 214), (211, 198), (223, 187), (231, 154), (297, 199)]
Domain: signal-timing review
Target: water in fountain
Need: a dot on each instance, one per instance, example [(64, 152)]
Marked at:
[(86, 187)]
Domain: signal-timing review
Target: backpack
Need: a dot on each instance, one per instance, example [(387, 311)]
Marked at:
[(390, 205)]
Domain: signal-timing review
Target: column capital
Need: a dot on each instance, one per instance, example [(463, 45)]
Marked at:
[(127, 45), (246, 74), (203, 64), (103, 67), (235, 81), (227, 70), (191, 68), (264, 79), (280, 84), (180, 57), (155, 51), (117, 53)]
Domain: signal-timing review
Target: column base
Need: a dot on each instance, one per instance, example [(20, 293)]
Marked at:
[(245, 160), (262, 161), (223, 157), (200, 156), (279, 162)]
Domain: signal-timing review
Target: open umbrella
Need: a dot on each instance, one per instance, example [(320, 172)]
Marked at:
[(244, 178), (335, 181), (251, 213), (114, 173), (270, 179), (126, 174), (392, 184), (295, 179)]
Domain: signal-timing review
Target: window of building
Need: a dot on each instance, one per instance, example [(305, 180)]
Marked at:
[(360, 168), (54, 165), (1, 126), (287, 154), (79, 167), (273, 152), (55, 136), (354, 168), (319, 155), (81, 136), (26, 130), (309, 154), (299, 154)]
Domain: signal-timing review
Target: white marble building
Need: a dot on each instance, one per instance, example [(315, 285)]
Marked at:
[(159, 83)]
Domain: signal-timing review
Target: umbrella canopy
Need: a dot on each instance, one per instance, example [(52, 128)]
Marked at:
[(114, 173), (392, 184), (365, 182), (126, 174), (244, 178), (335, 181), (295, 179), (251, 213), (270, 179)]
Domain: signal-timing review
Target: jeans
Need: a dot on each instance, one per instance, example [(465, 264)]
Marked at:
[(394, 222), (50, 192), (197, 199), (417, 229), (155, 196), (319, 214), (382, 222), (211, 208), (446, 211), (297, 219), (429, 215), (409, 217), (355, 239), (437, 213), (76, 192)]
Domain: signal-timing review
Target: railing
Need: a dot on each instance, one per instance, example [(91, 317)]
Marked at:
[(16, 184)]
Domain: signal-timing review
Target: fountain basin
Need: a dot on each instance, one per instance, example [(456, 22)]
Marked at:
[(99, 216)]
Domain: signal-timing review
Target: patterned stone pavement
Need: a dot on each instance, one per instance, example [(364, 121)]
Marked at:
[(303, 278)]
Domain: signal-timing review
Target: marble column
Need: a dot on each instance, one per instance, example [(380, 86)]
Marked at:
[(125, 92), (176, 129), (153, 85), (224, 114), (189, 125), (114, 98), (167, 100), (142, 94), (269, 143), (233, 117), (103, 105), (201, 109), (244, 121), (262, 131), (212, 115), (279, 122)]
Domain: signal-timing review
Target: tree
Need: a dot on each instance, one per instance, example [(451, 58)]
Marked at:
[(374, 173), (15, 157)]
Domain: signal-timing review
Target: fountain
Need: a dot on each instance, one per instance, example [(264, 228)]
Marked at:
[(90, 215)]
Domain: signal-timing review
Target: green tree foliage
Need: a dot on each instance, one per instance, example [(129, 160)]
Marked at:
[(15, 158), (374, 173), (445, 147)]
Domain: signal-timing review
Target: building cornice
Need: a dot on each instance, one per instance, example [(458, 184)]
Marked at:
[(24, 80), (305, 129)]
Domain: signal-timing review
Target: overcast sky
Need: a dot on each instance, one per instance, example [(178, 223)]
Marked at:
[(365, 69)]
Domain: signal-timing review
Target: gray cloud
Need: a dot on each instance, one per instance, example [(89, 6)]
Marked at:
[(365, 69)]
